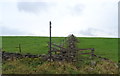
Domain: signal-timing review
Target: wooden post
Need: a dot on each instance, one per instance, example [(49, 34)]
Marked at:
[(20, 48), (50, 41), (92, 53)]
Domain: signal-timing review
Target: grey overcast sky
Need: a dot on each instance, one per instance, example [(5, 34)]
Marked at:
[(83, 18)]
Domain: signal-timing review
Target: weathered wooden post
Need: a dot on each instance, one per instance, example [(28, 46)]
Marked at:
[(92, 53), (19, 47), (50, 41)]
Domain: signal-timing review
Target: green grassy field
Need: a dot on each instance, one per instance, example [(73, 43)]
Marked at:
[(105, 47)]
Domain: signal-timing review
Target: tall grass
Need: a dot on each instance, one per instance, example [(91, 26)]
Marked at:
[(36, 66)]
